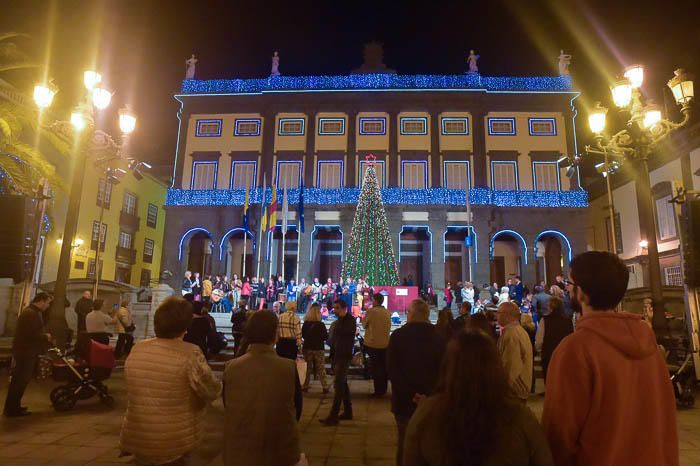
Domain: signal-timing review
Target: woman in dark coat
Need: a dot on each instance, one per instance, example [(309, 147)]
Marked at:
[(553, 328), (201, 332)]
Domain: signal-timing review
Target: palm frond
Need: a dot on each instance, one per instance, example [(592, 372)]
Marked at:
[(10, 35)]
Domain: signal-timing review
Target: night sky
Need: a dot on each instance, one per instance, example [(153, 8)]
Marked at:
[(140, 46)]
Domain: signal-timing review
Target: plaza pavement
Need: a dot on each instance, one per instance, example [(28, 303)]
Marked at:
[(89, 434)]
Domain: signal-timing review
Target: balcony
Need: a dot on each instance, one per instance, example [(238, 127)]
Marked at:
[(129, 221), (126, 255)]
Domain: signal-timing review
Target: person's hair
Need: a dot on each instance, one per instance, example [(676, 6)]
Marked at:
[(261, 327), (340, 303), (97, 304), (445, 321), (465, 308), (495, 298), (378, 299), (602, 276), (555, 291), (313, 313), (172, 318), (419, 309), (556, 306), (125, 302), (517, 277), (197, 307), (42, 297), (479, 321), (539, 289), (510, 309), (290, 306), (472, 398), (188, 297)]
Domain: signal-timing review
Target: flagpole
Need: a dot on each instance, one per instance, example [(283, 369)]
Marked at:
[(257, 270), (469, 222), (284, 234), (298, 246)]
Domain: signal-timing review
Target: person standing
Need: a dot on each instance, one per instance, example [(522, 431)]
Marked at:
[(187, 283), (125, 330), (289, 342), (262, 400), (82, 308), (238, 320), (515, 348), (539, 306), (553, 328), (624, 410), (465, 310), (377, 325), (246, 292), (413, 361), (169, 386), (207, 288), (471, 419), (516, 290), (253, 302), (448, 295), (315, 335), (342, 342), (30, 341), (196, 286), (99, 325)]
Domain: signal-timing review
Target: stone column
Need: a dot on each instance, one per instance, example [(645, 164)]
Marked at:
[(159, 294), (438, 225), (394, 175), (479, 153), (351, 158), (481, 259)]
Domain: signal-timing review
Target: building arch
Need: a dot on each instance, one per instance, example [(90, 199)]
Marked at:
[(512, 233), (187, 235), (249, 233)]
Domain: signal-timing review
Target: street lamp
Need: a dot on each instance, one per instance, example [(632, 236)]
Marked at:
[(127, 120), (91, 79), (44, 94), (644, 129)]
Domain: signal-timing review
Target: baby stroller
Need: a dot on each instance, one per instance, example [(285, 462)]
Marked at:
[(82, 379)]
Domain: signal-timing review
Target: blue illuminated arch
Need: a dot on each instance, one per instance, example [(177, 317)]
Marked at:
[(229, 233), (327, 227), (512, 233), (189, 232), (422, 227), (461, 227), (561, 236)]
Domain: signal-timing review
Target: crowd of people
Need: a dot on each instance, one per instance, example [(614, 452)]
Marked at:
[(459, 388)]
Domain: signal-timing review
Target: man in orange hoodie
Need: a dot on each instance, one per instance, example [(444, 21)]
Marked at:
[(609, 400)]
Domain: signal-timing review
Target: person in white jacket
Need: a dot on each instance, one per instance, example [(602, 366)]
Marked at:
[(468, 294)]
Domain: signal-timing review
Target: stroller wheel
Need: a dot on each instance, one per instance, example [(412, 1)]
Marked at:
[(107, 400), (63, 399)]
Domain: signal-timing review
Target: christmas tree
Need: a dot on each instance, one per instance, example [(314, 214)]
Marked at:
[(371, 254)]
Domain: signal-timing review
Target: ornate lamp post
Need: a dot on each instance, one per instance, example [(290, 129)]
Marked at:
[(644, 129)]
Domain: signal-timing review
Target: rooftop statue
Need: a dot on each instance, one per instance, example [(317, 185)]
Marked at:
[(564, 62), (471, 60), (373, 60), (191, 63), (275, 71)]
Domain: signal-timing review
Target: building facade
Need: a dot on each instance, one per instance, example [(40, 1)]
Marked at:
[(434, 137)]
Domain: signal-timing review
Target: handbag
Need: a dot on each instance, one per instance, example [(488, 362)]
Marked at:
[(130, 328), (301, 370)]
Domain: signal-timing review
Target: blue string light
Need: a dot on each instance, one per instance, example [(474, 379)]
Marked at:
[(390, 196), (468, 81)]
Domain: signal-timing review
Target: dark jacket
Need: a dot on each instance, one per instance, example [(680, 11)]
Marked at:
[(202, 334), (30, 339), (413, 362), (540, 304), (83, 307), (315, 334), (343, 337), (238, 319), (556, 328)]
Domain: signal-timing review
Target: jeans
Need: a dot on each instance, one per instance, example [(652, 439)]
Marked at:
[(316, 364), (401, 425), (124, 343), (342, 391), (377, 369), (22, 374)]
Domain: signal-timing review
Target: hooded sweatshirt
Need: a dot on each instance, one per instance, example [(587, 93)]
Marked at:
[(609, 400)]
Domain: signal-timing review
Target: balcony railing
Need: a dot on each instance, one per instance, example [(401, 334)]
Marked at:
[(390, 196), (126, 255), (129, 221)]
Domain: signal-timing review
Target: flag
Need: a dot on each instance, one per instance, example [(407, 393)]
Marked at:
[(245, 208), (273, 208), (263, 205), (301, 207), (285, 211)]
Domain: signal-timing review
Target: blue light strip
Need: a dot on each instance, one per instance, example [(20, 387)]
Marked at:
[(326, 227), (277, 180), (445, 171), (556, 233), (530, 121), (512, 233), (403, 131), (321, 121), (425, 171), (199, 134), (534, 173), (249, 233), (418, 227), (467, 81), (188, 232), (367, 119), (448, 119), (390, 196), (258, 122), (253, 183), (290, 120), (318, 171), (492, 120), (507, 162)]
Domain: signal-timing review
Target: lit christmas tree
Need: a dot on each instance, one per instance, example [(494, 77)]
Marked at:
[(370, 253)]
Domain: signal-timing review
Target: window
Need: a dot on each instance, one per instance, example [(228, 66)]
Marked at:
[(546, 176), (152, 216), (148, 246), (91, 268), (204, 175), (248, 127), (288, 175), (331, 126), (145, 280), (243, 174), (124, 240), (417, 125), (618, 234), (504, 176), (79, 265), (103, 236), (372, 126), (451, 126), (456, 175), (208, 128), (379, 170), (665, 215), (129, 206), (415, 175), (330, 174), (542, 126), (291, 127), (673, 276), (502, 126), (101, 192)]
